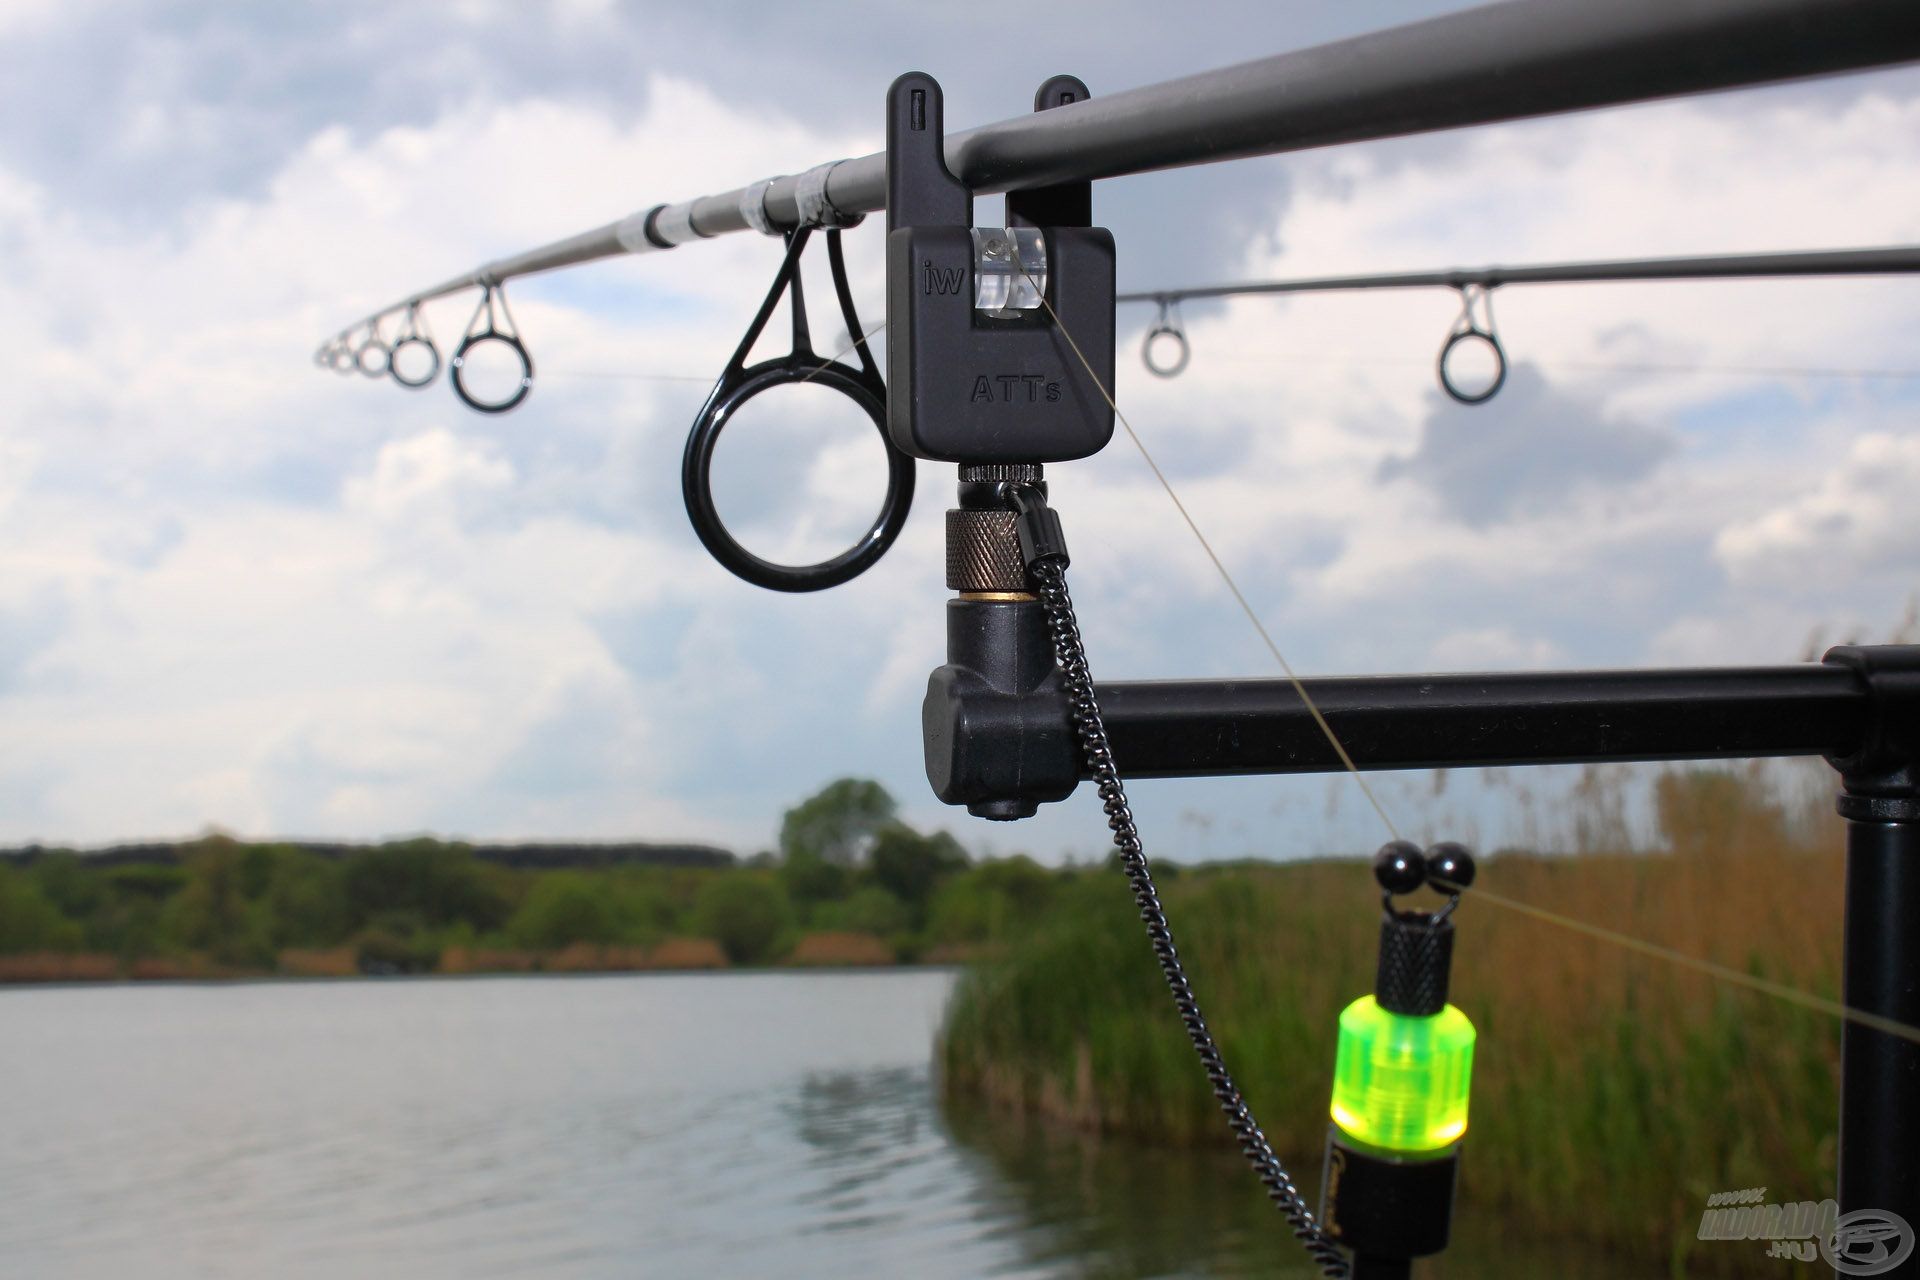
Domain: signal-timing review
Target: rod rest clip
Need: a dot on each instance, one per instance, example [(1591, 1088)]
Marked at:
[(999, 342)]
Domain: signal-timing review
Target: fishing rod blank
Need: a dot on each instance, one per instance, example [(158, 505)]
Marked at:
[(1476, 284), (1507, 61), (1891, 260)]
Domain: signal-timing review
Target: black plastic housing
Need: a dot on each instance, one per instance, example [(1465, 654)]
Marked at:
[(964, 386), (1387, 1207), (994, 723)]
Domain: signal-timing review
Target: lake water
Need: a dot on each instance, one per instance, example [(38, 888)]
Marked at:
[(753, 1124)]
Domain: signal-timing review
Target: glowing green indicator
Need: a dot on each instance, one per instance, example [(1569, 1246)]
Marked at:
[(1401, 1082)]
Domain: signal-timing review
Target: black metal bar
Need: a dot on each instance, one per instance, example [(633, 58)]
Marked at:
[(1879, 1153), (1208, 728), (1499, 62), (1894, 260)]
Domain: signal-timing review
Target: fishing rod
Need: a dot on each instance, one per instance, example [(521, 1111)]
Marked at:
[(1507, 61), (1000, 359), (1476, 285)]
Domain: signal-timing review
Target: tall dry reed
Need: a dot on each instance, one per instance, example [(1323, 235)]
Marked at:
[(1613, 1091)]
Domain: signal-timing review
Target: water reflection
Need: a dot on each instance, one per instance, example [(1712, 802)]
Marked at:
[(658, 1126), (1108, 1207), (871, 1142)]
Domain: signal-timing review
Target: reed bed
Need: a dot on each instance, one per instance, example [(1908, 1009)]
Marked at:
[(1613, 1092), (840, 949)]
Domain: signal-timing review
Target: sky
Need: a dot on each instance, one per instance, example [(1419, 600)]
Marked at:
[(236, 591)]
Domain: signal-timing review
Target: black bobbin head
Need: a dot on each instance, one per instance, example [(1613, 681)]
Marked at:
[(1416, 948), (1400, 867), (1450, 867)]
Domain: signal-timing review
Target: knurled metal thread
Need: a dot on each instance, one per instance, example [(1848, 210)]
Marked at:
[(1415, 960), (1000, 473), (983, 552)]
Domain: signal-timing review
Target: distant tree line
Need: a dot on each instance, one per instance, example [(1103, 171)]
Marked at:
[(536, 855), (849, 883)]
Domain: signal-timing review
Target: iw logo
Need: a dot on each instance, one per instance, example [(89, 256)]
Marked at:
[(946, 280), (1008, 388)]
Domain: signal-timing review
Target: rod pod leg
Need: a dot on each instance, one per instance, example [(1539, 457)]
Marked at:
[(1879, 1156)]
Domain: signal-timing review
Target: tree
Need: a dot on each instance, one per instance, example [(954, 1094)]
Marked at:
[(838, 823), (212, 914), (28, 922), (909, 865), (808, 879), (744, 914), (307, 898), (870, 910), (439, 884), (72, 888), (565, 907), (994, 900)]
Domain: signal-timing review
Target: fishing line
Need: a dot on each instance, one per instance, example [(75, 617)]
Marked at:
[(706, 381), (1780, 991), (1299, 356), (1306, 699), (703, 380)]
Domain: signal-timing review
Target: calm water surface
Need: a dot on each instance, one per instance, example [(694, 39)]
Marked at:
[(759, 1124)]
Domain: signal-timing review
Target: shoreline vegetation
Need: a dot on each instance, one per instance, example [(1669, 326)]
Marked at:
[(1613, 1093), (850, 885), (676, 955)]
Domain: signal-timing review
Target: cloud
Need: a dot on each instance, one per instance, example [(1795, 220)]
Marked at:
[(1861, 516), (172, 104), (1529, 450), (236, 590), (431, 470)]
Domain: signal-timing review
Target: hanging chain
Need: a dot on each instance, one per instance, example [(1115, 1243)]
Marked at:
[(1048, 571)]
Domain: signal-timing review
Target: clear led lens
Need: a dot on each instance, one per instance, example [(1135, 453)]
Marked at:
[(1009, 270)]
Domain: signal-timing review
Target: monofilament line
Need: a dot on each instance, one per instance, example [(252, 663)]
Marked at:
[(691, 377), (1780, 991), (1266, 638)]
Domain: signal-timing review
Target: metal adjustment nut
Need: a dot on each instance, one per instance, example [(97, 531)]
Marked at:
[(983, 552)]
